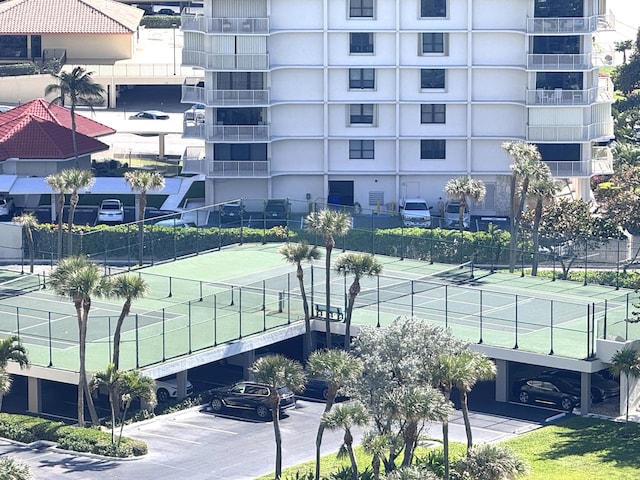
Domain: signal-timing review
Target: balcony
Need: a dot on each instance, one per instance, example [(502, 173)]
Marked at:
[(226, 133), (585, 169), (559, 96), (194, 161), (559, 61), (238, 169), (216, 98), (193, 90), (570, 25), (216, 61), (601, 161), (234, 26)]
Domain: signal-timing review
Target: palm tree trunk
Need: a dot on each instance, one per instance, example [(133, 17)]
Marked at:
[(124, 416), (410, 438), (327, 407), (31, 249), (275, 413), (327, 280), (347, 320), (113, 416), (307, 318), (348, 442), (72, 211), (445, 448), (117, 333), (73, 130), (83, 360), (82, 374), (467, 422), (1, 397), (60, 213)]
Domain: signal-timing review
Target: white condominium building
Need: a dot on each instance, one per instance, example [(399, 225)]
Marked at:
[(370, 101)]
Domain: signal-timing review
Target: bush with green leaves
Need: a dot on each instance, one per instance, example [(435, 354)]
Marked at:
[(12, 469)]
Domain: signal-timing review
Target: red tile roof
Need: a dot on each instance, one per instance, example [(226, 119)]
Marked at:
[(41, 108), (33, 137), (67, 16)]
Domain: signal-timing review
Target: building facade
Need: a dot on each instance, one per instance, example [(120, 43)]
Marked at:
[(370, 101)]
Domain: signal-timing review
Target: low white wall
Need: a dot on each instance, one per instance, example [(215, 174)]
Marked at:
[(24, 88), (10, 241)]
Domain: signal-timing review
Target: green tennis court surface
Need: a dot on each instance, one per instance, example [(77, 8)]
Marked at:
[(202, 302)]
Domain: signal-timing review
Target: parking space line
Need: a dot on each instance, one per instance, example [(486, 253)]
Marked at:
[(142, 432), (187, 424)]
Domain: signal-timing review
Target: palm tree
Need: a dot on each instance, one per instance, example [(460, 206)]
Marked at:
[(10, 350), (339, 369), (359, 265), (13, 469), (627, 362), (542, 191), (135, 385), (141, 181), (277, 371), (463, 188), (110, 380), (58, 184), (79, 280), (527, 166), (129, 287), (492, 462), (75, 179), (345, 417), (80, 88), (477, 368), (296, 253), (329, 224), (376, 445), (623, 46), (28, 220)]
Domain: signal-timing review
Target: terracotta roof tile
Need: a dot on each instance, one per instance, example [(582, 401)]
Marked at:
[(68, 16)]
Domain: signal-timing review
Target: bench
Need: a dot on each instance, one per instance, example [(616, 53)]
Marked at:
[(322, 309)]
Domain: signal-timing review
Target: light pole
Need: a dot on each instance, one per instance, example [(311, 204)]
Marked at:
[(173, 29)]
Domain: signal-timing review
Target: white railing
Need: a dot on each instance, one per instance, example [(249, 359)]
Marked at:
[(238, 169), (558, 61), (601, 161), (226, 133), (214, 61), (214, 98), (235, 26), (601, 130), (570, 133), (569, 168), (570, 25), (140, 70), (559, 96)]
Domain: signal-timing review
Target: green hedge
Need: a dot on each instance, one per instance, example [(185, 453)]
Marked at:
[(26, 68), (27, 429), (160, 21)]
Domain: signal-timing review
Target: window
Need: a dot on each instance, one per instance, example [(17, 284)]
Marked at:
[(433, 113), (361, 113), (433, 8), (432, 78), (239, 81), (433, 149), (361, 8), (361, 42), (359, 149), (240, 152), (362, 78), (433, 43)]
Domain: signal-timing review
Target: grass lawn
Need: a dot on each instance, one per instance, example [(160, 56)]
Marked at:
[(575, 448)]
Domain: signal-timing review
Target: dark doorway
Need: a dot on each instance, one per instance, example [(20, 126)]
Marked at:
[(36, 46), (340, 192)]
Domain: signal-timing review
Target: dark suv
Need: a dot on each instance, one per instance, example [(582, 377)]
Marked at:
[(231, 212), (276, 209), (250, 396)]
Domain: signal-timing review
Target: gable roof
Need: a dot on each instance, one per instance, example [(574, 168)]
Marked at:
[(34, 138), (41, 108), (67, 16)]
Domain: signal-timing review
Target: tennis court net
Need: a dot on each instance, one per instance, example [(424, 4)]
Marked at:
[(21, 285)]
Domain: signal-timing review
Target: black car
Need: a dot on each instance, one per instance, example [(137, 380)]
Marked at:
[(317, 388), (231, 212), (601, 387), (547, 391), (250, 396), (277, 209)]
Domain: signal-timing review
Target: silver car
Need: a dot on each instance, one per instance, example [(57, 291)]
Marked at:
[(111, 211), (452, 216)]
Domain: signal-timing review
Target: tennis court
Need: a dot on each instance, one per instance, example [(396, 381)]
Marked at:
[(208, 300)]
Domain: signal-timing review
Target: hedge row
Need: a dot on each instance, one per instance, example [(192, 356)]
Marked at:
[(27, 429), (160, 21)]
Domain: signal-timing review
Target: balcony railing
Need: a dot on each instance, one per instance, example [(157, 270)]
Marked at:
[(215, 61), (555, 61), (226, 133), (570, 25), (570, 133), (569, 169), (601, 161), (217, 98), (238, 169), (235, 26), (560, 96)]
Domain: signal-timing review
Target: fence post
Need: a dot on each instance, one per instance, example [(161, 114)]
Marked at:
[(215, 318), (515, 347), (551, 324), (138, 342), (378, 298), (189, 324), (50, 344), (481, 340)]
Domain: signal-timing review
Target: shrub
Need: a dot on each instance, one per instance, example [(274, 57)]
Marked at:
[(160, 21)]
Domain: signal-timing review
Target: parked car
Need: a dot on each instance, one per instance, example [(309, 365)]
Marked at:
[(601, 387), (5, 108), (167, 388), (317, 388), (150, 115), (7, 207), (111, 211), (277, 209), (452, 216), (165, 11), (547, 391), (415, 212), (174, 223), (231, 212), (250, 396)]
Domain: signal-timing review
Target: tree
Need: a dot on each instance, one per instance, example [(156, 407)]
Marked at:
[(627, 362), (413, 472), (359, 265), (339, 369), (527, 166), (329, 224), (277, 371), (80, 89), (622, 46), (129, 287), (141, 181), (461, 189), (109, 379), (79, 280), (344, 417), (75, 179), (296, 253), (12, 469), (58, 184), (28, 220), (135, 385), (10, 350), (492, 462), (542, 190)]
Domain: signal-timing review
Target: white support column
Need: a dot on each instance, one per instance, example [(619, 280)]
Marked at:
[(181, 382), (585, 393), (502, 380), (34, 395)]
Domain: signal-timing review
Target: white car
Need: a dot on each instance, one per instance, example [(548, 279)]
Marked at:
[(111, 211), (452, 216), (167, 387), (150, 115), (415, 212)]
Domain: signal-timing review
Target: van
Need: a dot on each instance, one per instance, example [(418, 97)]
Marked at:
[(415, 212)]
